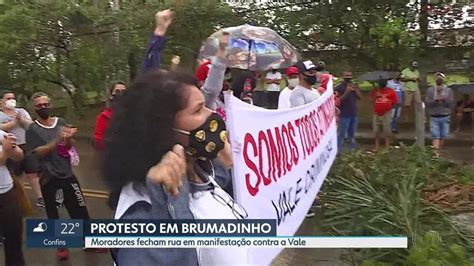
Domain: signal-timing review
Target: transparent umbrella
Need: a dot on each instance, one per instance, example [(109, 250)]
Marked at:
[(253, 48)]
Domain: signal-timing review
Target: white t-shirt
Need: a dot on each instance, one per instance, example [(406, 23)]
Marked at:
[(284, 99), (273, 86), (301, 96), (204, 205), (6, 181), (19, 130)]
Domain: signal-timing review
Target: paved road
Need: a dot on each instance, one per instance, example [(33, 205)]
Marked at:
[(92, 181)]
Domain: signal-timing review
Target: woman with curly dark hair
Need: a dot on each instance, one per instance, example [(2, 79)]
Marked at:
[(152, 176)]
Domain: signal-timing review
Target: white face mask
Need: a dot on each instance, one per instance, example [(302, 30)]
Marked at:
[(293, 82), (10, 104)]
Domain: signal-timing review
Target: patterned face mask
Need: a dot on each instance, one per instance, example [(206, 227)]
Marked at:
[(206, 141)]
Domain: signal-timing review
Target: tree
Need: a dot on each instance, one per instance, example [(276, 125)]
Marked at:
[(382, 34), (80, 46)]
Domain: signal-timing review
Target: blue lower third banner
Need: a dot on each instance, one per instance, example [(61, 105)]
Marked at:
[(72, 233)]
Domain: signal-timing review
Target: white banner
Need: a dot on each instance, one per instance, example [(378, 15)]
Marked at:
[(281, 158)]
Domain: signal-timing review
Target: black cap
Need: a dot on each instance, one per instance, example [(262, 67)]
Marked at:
[(305, 65)]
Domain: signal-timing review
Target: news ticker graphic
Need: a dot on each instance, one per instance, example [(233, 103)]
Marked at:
[(184, 234), (73, 233), (247, 242)]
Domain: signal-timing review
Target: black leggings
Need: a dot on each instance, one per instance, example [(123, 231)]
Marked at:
[(73, 198), (11, 227)]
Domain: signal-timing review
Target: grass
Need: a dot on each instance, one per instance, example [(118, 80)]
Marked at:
[(381, 194)]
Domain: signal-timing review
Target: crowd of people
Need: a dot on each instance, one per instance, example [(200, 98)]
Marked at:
[(180, 167)]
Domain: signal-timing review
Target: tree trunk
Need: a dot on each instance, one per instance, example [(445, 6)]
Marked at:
[(424, 24), (132, 64)]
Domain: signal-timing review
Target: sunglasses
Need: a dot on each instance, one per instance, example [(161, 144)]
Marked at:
[(42, 105)]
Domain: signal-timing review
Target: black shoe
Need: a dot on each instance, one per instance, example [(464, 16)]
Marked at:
[(394, 131), (310, 214), (59, 204)]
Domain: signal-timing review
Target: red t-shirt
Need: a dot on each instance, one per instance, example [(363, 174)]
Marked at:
[(102, 125), (384, 100)]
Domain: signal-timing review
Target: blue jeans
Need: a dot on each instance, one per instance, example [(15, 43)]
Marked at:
[(396, 111), (439, 127), (347, 125)]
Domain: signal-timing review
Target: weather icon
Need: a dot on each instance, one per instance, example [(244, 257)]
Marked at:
[(40, 228)]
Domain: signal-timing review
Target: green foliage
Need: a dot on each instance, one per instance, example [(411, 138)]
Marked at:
[(380, 194), (431, 250), (393, 42), (70, 49), (73, 47), (352, 26)]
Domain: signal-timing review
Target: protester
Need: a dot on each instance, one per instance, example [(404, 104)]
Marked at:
[(464, 109), (16, 121), (303, 93), (260, 95), (11, 223), (244, 84), (172, 110), (411, 78), (321, 67), (213, 79), (273, 79), (103, 119), (397, 86), (384, 99), (349, 94), (439, 102), (51, 139), (175, 61), (293, 81)]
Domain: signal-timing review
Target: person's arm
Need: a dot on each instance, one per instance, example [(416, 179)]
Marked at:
[(170, 171), (213, 85), (9, 125), (68, 136), (35, 145), (278, 80), (268, 80), (346, 92), (404, 77), (357, 92), (10, 150), (157, 43), (24, 119), (42, 151), (429, 99)]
